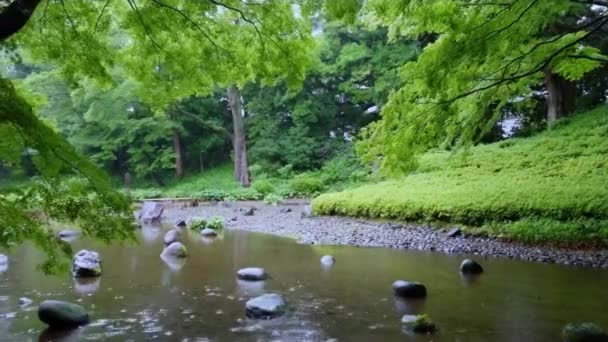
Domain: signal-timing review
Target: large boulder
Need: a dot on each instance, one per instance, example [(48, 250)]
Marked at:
[(151, 211), (406, 289), (59, 314), (469, 266), (172, 236), (265, 306), (421, 324), (86, 264), (583, 332), (3, 259), (252, 273), (175, 250)]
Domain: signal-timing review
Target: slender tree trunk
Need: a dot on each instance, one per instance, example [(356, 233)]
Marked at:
[(239, 143), (177, 149), (561, 96)]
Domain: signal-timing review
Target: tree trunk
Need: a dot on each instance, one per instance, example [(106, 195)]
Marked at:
[(15, 16), (177, 149), (239, 143), (561, 96)]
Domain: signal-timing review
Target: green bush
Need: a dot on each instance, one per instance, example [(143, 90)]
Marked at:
[(273, 199), (306, 184), (263, 186), (198, 223)]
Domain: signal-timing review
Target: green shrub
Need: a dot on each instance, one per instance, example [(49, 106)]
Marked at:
[(198, 223), (306, 184), (263, 186), (216, 223), (273, 199)]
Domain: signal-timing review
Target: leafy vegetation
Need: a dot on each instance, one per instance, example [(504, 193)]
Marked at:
[(215, 223), (546, 188)]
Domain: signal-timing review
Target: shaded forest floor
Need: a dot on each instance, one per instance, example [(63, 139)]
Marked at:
[(549, 188)]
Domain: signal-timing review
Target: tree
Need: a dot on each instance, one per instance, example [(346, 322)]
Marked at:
[(484, 56)]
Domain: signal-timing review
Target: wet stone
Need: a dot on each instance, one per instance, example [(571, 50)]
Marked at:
[(86, 264), (59, 314), (252, 273), (418, 324), (265, 306), (172, 236), (208, 232), (328, 260), (24, 301), (469, 266), (583, 332), (175, 250), (406, 289)]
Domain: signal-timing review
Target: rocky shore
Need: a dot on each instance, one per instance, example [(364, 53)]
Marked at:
[(292, 220)]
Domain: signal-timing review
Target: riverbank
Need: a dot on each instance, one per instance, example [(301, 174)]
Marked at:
[(291, 220), (549, 188)]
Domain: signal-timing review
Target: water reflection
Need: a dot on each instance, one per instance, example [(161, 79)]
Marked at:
[(87, 285), (250, 288), (60, 335), (174, 263), (150, 233), (405, 306)]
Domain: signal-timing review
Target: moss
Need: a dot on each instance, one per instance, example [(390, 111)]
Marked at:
[(547, 188), (418, 324)]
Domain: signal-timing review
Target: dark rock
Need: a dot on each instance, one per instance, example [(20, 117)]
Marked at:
[(172, 236), (68, 233), (285, 210), (151, 211), (454, 232), (406, 289), (328, 260), (469, 266), (86, 264), (252, 273), (175, 250), (265, 306), (583, 332), (24, 301), (418, 323), (234, 218), (181, 223), (249, 212), (58, 314), (208, 232)]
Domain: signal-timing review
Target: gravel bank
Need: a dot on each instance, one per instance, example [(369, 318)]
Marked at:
[(347, 231)]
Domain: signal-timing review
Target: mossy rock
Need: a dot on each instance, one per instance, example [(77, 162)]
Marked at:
[(583, 332), (420, 324)]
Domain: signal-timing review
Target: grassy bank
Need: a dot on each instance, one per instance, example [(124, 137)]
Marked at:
[(552, 187)]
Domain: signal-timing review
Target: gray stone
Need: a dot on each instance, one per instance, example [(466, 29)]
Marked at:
[(469, 266), (454, 232), (306, 212), (249, 212), (406, 289), (208, 232), (285, 210), (252, 273), (59, 314), (172, 236), (68, 233), (181, 223), (418, 324), (86, 264), (3, 259), (328, 260), (265, 306), (151, 211), (175, 250), (24, 301), (583, 332)]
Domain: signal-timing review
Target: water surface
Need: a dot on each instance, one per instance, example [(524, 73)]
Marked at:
[(140, 297)]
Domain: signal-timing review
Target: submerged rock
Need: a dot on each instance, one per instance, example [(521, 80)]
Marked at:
[(59, 314), (328, 260), (86, 264), (151, 211), (252, 273), (469, 266), (208, 232), (3, 259), (176, 250), (181, 223), (24, 301), (418, 323), (172, 236), (406, 289), (265, 306), (583, 332)]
